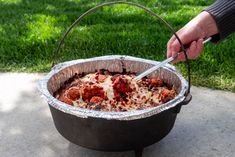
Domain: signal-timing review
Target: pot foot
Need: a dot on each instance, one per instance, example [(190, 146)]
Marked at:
[(139, 152)]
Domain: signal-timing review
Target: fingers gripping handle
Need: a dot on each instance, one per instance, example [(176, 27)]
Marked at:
[(168, 60), (187, 46)]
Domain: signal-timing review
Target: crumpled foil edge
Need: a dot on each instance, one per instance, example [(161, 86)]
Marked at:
[(130, 115)]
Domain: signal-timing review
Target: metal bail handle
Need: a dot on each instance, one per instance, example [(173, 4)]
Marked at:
[(94, 9)]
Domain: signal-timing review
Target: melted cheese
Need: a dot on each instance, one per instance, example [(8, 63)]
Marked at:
[(141, 97), (108, 87), (89, 78), (79, 102)]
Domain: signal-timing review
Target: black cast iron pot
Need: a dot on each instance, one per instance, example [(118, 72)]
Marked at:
[(110, 131), (115, 135), (114, 131)]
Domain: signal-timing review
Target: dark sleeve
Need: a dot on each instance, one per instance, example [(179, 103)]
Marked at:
[(223, 11)]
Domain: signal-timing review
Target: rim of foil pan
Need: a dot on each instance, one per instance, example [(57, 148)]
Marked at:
[(129, 115)]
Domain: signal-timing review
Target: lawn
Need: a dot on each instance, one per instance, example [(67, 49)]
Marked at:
[(30, 31)]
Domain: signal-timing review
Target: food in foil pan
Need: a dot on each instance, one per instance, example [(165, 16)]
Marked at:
[(114, 92)]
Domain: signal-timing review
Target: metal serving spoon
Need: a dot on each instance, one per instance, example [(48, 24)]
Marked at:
[(168, 60)]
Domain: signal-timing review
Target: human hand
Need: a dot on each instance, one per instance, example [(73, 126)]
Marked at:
[(192, 34)]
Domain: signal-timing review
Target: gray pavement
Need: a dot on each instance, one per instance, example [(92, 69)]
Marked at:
[(204, 128)]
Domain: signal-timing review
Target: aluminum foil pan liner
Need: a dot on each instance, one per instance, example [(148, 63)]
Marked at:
[(114, 63)]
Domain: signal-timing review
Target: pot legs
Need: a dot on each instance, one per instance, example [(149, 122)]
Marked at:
[(139, 152)]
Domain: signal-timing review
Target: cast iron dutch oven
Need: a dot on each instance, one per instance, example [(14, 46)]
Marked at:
[(114, 131)]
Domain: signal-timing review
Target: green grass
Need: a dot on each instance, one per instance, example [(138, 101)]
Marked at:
[(30, 31)]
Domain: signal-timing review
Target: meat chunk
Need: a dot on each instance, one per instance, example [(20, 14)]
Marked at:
[(100, 78), (96, 100), (121, 85), (155, 82), (114, 77), (66, 100), (73, 93), (95, 103), (90, 91), (166, 95)]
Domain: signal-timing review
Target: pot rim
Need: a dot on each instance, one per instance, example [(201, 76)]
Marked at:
[(129, 115)]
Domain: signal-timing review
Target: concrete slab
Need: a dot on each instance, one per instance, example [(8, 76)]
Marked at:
[(205, 127)]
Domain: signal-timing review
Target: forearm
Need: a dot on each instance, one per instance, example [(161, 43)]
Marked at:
[(223, 13), (206, 23)]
